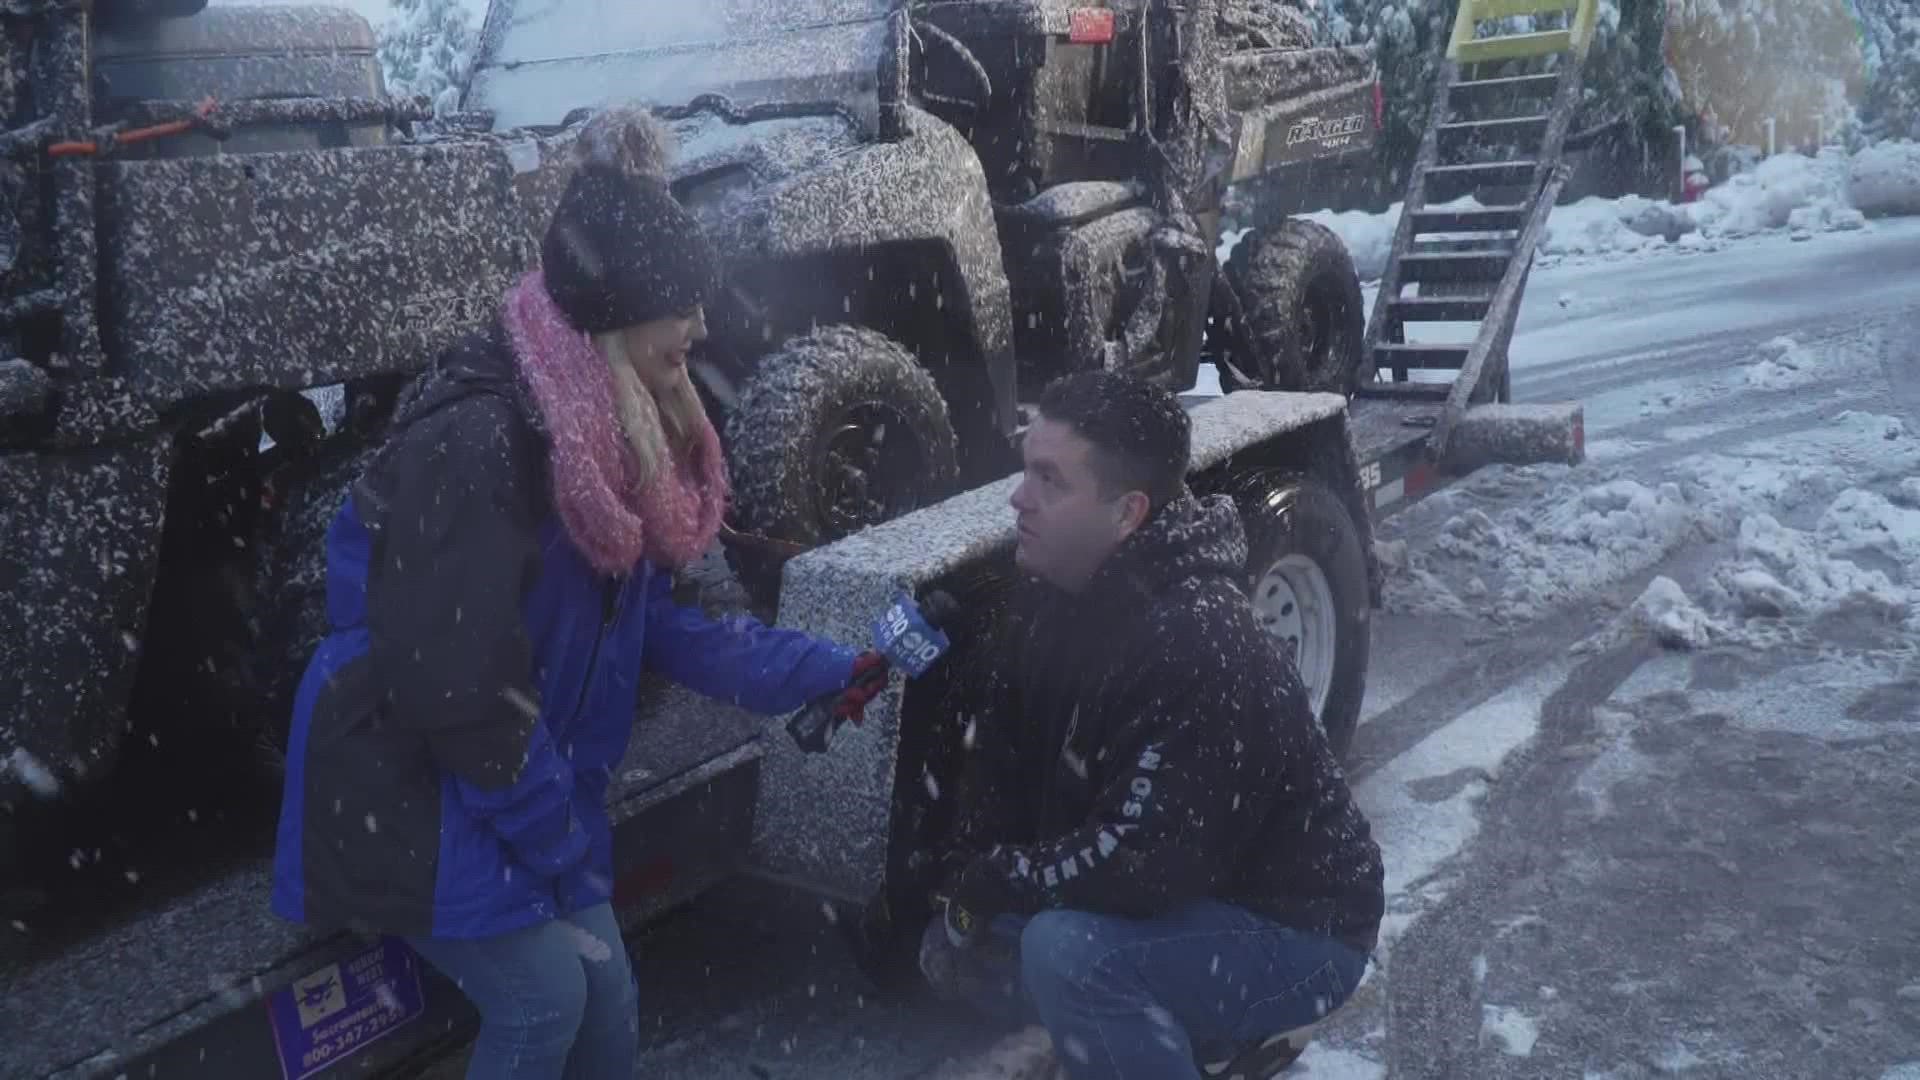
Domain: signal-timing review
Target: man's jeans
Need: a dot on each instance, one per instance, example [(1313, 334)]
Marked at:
[(557, 1001), (1141, 999)]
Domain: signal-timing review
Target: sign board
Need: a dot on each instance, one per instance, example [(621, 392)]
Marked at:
[(333, 1013)]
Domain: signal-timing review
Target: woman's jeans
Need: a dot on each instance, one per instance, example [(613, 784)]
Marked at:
[(557, 1001), (1142, 999)]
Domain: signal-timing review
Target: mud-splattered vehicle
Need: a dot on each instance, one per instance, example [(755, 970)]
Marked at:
[(928, 208)]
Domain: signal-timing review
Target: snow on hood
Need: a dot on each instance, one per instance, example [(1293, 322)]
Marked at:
[(539, 59)]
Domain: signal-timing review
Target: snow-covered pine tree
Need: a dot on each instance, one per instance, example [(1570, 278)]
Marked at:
[(1796, 61), (1406, 37), (1890, 33), (1625, 80), (1626, 94), (426, 48)]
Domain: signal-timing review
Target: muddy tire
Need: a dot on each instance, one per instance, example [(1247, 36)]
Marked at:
[(1305, 318), (1307, 580), (837, 430)]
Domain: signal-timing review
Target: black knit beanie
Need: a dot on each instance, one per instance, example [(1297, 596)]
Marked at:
[(622, 251)]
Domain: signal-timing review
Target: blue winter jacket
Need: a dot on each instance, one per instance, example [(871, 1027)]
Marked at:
[(455, 732)]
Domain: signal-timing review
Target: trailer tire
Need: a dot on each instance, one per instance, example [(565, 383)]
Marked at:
[(1307, 581), (811, 431), (1305, 320)]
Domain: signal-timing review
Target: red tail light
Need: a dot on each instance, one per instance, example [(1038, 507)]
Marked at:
[(1379, 105), (1090, 26)]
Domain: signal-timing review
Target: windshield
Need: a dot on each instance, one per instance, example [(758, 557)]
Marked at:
[(540, 59)]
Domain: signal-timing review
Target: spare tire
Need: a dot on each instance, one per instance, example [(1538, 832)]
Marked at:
[(1305, 319), (837, 430)]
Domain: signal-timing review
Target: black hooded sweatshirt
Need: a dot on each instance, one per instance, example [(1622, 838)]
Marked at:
[(1142, 744)]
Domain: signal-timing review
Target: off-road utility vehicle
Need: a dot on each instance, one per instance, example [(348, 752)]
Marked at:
[(908, 265)]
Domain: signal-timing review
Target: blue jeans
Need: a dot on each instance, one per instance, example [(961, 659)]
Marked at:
[(557, 1001), (1144, 999)]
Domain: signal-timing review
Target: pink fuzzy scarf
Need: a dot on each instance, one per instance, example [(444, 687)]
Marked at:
[(612, 519)]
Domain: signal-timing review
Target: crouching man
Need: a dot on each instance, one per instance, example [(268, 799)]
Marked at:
[(1158, 857)]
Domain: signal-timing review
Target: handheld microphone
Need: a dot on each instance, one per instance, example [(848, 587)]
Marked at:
[(908, 637)]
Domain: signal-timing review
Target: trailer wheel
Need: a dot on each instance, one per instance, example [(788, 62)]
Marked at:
[(1305, 317), (837, 430), (1307, 581)]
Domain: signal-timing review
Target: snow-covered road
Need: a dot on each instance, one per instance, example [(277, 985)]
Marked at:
[(1619, 860), (1607, 858)]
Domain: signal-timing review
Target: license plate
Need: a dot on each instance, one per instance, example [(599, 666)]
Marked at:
[(331, 1014)]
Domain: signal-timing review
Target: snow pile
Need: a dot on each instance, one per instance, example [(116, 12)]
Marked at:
[(1885, 179), (1823, 521), (1368, 237), (1769, 197), (1861, 555), (1665, 611), (1523, 560), (1594, 226), (1783, 363), (1829, 193)]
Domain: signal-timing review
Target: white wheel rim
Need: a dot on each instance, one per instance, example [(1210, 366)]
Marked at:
[(1294, 604)]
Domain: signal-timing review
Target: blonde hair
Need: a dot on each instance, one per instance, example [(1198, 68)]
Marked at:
[(660, 422)]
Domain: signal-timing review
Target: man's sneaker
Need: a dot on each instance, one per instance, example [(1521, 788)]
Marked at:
[(1263, 1060)]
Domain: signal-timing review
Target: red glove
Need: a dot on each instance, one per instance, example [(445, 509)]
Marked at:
[(869, 678)]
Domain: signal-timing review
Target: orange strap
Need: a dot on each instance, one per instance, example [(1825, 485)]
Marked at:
[(133, 135)]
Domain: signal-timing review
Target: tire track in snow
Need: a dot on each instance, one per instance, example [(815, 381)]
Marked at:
[(1723, 355), (1656, 459), (1434, 996)]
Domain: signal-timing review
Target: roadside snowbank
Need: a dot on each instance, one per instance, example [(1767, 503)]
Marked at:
[(1821, 520), (1831, 193), (1784, 191), (1885, 179)]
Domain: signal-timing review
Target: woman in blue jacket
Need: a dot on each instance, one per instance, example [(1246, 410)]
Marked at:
[(497, 583)]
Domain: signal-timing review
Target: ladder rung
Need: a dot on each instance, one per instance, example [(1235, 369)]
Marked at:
[(1512, 9), (1543, 85), (1470, 308), (1477, 219), (1405, 391), (1513, 47), (1502, 127), (1481, 243), (1491, 172), (1445, 183), (1455, 266), (1420, 356)]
